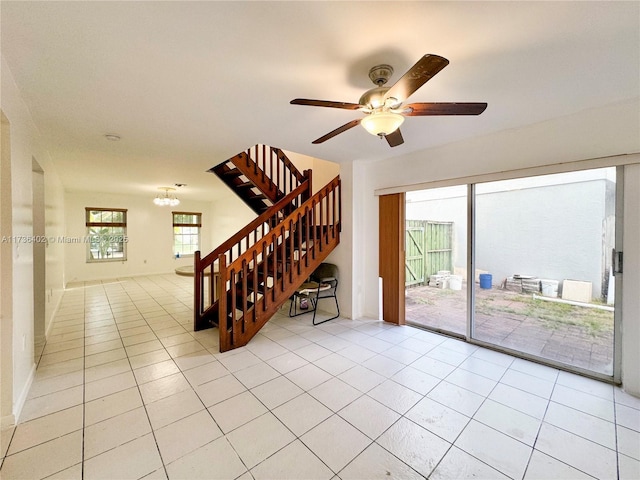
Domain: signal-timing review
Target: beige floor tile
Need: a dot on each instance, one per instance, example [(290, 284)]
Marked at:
[(60, 454), (112, 405), (132, 460), (62, 356), (163, 387), (53, 402), (237, 411), (216, 461), (149, 358), (293, 462), (109, 385), (103, 347), (155, 371), (186, 435), (259, 439), (45, 386), (173, 408), (115, 431), (104, 357), (46, 428)]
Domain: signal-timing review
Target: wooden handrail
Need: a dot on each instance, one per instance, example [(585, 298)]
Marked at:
[(251, 227), (292, 168), (292, 258), (302, 210), (256, 270)]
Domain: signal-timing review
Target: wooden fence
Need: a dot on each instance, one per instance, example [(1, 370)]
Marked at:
[(428, 249)]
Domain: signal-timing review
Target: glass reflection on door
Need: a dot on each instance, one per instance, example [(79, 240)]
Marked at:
[(436, 259), (544, 280)]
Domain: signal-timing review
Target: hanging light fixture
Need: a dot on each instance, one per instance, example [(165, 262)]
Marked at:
[(166, 199), (382, 122)]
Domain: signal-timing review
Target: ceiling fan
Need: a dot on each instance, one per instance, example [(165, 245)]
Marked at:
[(384, 107)]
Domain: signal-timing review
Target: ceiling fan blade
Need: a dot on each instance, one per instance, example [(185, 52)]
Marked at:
[(394, 138), (337, 131), (444, 108), (324, 103), (416, 76)]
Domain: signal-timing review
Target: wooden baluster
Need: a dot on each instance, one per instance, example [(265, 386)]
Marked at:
[(223, 331), (299, 232), (306, 236), (233, 287), (262, 160), (283, 259), (291, 250), (255, 285), (245, 293), (265, 276), (334, 210), (197, 291), (274, 243), (321, 220), (313, 227)]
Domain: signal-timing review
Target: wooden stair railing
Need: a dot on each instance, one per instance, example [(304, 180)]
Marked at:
[(253, 286), (205, 311), (260, 176)]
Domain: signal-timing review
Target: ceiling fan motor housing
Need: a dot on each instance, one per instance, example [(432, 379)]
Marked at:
[(374, 98), (380, 74)]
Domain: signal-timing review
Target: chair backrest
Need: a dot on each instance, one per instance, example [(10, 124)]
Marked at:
[(325, 271)]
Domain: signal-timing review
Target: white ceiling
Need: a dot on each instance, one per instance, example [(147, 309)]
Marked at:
[(189, 84)]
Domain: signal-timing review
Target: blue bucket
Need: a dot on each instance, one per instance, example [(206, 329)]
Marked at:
[(485, 280)]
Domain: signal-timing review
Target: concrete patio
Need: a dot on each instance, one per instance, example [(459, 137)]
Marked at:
[(578, 336)]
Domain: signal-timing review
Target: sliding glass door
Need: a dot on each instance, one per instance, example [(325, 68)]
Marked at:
[(543, 260), (541, 267), (436, 259)]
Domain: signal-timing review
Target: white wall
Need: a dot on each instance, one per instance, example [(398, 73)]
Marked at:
[(24, 146), (601, 132), (149, 232), (230, 214), (323, 170)]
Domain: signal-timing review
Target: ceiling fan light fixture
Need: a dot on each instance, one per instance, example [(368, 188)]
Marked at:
[(382, 123)]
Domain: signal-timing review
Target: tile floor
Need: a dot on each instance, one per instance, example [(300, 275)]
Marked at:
[(125, 389)]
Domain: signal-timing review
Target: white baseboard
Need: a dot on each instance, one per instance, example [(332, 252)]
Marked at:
[(7, 421), (24, 394)]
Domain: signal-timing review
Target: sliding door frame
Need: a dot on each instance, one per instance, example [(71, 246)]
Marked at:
[(619, 162)]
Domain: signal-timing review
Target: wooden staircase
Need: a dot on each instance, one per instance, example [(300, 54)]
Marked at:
[(241, 284), (260, 176)]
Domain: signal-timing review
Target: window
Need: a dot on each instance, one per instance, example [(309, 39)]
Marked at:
[(186, 232), (106, 234)]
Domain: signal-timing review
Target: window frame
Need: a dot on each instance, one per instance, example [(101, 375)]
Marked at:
[(90, 224), (198, 225)]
